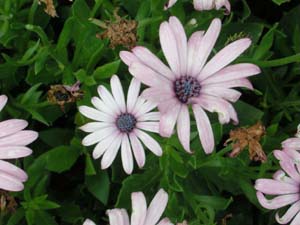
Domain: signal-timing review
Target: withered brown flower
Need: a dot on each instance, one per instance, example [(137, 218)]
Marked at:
[(120, 32), (248, 137), (50, 8), (8, 203)]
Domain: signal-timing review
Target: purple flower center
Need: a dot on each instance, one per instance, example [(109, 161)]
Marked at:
[(186, 87), (126, 122)]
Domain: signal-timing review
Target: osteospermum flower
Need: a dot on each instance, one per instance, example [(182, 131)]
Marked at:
[(201, 5), (191, 80), (140, 214), (13, 141), (120, 124), (285, 187)]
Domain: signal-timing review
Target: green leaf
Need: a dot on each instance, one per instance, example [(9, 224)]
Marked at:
[(106, 71), (28, 54), (279, 2), (16, 218), (61, 158), (99, 186)]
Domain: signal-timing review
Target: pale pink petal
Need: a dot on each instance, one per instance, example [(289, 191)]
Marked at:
[(166, 106), (225, 93), (156, 207), (139, 208), (88, 222), (126, 154), (221, 3), (165, 221), (118, 217), (274, 187), (104, 144), (24, 137), (149, 142), (291, 143), (232, 72), (289, 215), (138, 150), (151, 116), (95, 126), (204, 4), (133, 93), (181, 41), (282, 156), (296, 220), (98, 135), (281, 176), (206, 45), (11, 126), (14, 152), (147, 76), (13, 171), (101, 106), (148, 126), (10, 183), (140, 101), (118, 93), (169, 4), (204, 129), (277, 202), (193, 44), (243, 82), (108, 99), (224, 57), (95, 114), (3, 101), (157, 95), (168, 120), (146, 107), (169, 47), (183, 128), (128, 57), (289, 167), (150, 60), (295, 155), (111, 153)]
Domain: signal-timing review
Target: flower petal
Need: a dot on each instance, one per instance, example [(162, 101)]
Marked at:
[(101, 106), (14, 152), (133, 93), (10, 183), (289, 215), (97, 136), (21, 138), (243, 82), (3, 101), (277, 202), (169, 4), (111, 153), (168, 120), (149, 142), (95, 114), (118, 93), (128, 57), (139, 208), (88, 222), (221, 3), (204, 129), (95, 126), (165, 221), (193, 44), (104, 144), (225, 93), (151, 116), (183, 128), (108, 99), (13, 171), (11, 126), (274, 187), (203, 4), (296, 220), (126, 155), (156, 207), (224, 57), (118, 217), (148, 126), (138, 150)]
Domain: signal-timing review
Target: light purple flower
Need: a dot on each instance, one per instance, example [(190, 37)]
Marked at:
[(201, 5), (141, 215), (13, 141), (191, 80), (285, 187), (88, 222), (121, 125)]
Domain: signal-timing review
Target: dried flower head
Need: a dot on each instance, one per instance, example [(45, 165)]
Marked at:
[(120, 32), (243, 137), (8, 203), (62, 94), (50, 9)]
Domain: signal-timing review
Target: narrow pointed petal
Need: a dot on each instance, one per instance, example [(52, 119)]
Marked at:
[(13, 171), (95, 126), (133, 93), (128, 58), (118, 217), (243, 82), (118, 93), (224, 57), (203, 4), (156, 207), (204, 129), (138, 150), (183, 128), (149, 142), (148, 126), (104, 144), (95, 114), (126, 154), (225, 93), (207, 43), (168, 121), (281, 176), (296, 220), (181, 41), (97, 136), (151, 60), (21, 138), (157, 95), (111, 153), (14, 152), (289, 167), (151, 116), (101, 106), (193, 44), (169, 46), (11, 126), (108, 99), (277, 202), (3, 101), (139, 208), (10, 183), (274, 187), (289, 215), (225, 3)]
